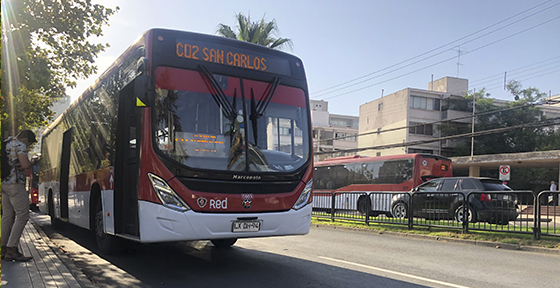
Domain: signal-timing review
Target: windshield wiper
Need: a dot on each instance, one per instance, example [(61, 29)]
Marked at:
[(254, 116), (220, 97), (263, 104), (257, 110)]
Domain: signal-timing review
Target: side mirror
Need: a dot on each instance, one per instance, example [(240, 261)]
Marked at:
[(141, 91)]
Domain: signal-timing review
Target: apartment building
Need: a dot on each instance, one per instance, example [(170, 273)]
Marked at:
[(332, 132), (413, 115)]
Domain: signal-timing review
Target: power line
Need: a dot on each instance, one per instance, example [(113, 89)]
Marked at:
[(536, 124), (324, 91), (440, 62), (525, 79), (430, 123), (500, 75)]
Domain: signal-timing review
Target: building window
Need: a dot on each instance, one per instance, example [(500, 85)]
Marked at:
[(423, 151), (345, 136), (418, 102), (436, 104), (378, 130), (380, 107), (378, 154), (420, 129), (328, 135)]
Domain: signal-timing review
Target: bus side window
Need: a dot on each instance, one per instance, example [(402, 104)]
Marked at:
[(320, 177), (341, 176), (356, 174)]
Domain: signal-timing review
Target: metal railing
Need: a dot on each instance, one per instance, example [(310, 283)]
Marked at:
[(522, 212)]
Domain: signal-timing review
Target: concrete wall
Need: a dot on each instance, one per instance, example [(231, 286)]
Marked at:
[(319, 105), (391, 114), (450, 85), (320, 118)]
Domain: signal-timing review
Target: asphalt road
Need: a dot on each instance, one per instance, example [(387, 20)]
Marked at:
[(327, 257)]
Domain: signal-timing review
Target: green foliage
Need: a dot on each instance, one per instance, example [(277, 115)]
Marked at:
[(46, 49), (255, 32), (36, 106), (514, 141)]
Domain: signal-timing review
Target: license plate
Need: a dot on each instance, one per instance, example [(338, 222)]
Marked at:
[(246, 226)]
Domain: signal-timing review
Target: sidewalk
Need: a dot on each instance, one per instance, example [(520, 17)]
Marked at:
[(46, 269)]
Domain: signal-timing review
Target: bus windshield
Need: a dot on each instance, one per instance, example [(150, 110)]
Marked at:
[(218, 122)]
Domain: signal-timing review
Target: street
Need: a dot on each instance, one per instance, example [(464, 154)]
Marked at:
[(327, 257)]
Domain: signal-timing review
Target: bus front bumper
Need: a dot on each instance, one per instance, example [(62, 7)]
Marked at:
[(161, 224)]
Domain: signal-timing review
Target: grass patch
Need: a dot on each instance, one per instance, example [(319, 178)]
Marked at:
[(489, 236)]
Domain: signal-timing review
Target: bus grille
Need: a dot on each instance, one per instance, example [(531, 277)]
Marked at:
[(237, 187)]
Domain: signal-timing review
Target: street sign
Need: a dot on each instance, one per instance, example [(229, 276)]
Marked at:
[(504, 172)]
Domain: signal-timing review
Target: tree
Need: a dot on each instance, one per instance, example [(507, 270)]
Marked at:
[(515, 141), (260, 33), (45, 49)]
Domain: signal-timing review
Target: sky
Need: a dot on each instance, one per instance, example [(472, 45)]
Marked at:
[(356, 51)]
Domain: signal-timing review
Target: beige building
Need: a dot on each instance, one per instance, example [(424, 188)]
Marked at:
[(551, 108), (332, 132), (419, 111)]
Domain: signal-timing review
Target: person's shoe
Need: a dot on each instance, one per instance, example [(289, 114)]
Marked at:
[(3, 252), (12, 254)]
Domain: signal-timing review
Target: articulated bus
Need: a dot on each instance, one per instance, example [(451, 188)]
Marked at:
[(396, 173), (185, 137)]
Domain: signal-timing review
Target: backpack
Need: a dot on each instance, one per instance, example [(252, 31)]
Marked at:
[(5, 163)]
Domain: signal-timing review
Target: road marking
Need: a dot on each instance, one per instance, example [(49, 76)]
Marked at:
[(395, 273)]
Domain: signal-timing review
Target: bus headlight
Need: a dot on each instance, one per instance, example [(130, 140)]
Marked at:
[(304, 197), (166, 194)]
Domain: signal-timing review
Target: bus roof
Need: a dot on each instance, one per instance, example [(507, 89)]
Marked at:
[(360, 158)]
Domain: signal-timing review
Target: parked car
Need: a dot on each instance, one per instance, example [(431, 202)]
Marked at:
[(443, 198)]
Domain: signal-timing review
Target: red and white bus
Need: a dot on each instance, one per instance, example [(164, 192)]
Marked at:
[(373, 174), (32, 186), (185, 137)]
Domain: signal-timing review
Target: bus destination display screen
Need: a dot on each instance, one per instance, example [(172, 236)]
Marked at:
[(231, 56)]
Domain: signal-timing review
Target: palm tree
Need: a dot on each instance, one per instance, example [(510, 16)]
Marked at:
[(255, 32)]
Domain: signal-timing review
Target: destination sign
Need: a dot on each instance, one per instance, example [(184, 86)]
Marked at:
[(231, 56)]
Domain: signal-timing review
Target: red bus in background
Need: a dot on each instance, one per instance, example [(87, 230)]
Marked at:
[(32, 186), (185, 137), (374, 174)]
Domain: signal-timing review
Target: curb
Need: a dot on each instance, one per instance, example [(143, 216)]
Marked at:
[(78, 274), (506, 246)]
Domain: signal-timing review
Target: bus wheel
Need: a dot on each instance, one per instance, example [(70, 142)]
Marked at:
[(108, 244), (399, 210), (55, 223), (224, 243)]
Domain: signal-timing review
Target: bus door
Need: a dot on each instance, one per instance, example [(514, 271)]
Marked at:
[(127, 163), (64, 173)]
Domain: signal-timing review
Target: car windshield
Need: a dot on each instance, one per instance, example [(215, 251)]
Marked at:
[(210, 121)]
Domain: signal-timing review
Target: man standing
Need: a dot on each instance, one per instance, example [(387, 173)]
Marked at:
[(15, 200), (553, 198)]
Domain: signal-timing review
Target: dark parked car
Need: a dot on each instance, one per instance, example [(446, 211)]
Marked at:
[(443, 198)]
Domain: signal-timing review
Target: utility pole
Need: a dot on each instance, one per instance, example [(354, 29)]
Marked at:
[(472, 130)]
